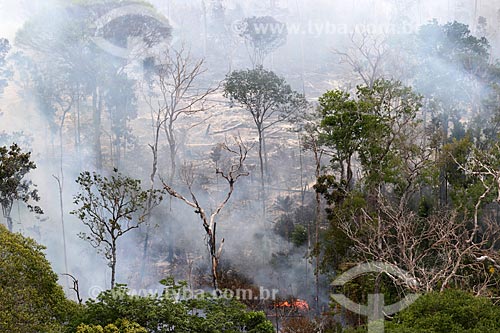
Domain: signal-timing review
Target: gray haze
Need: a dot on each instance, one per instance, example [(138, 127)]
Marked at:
[(307, 61)]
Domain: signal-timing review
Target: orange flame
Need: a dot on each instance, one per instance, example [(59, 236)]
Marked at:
[(298, 303)]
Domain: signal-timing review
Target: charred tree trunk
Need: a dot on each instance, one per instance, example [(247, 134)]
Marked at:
[(75, 288), (214, 258), (215, 277), (317, 159), (209, 221)]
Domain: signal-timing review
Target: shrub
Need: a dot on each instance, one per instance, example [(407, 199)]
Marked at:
[(450, 311)]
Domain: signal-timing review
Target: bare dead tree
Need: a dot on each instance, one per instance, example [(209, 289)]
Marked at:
[(231, 174), (435, 251), (157, 121), (173, 95), (175, 79), (455, 246), (64, 100), (75, 288), (365, 55)]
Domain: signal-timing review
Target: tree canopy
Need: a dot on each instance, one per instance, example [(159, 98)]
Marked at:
[(31, 300), (14, 186)]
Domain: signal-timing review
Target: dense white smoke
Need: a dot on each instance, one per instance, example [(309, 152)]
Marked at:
[(307, 61)]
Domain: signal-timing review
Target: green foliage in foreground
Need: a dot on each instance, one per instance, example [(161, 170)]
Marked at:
[(163, 313), (30, 298), (124, 326), (450, 311), (32, 301)]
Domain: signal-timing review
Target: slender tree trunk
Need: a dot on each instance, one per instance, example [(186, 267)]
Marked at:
[(443, 182), (303, 187), (205, 28), (214, 273), (96, 120), (172, 144), (63, 230), (215, 257), (77, 126), (78, 138), (317, 157), (113, 263), (261, 162), (316, 245), (349, 173), (215, 265), (60, 183), (117, 153), (154, 169), (145, 248), (266, 160), (173, 165)]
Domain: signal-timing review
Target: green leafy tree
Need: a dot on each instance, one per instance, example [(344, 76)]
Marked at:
[(110, 208), (268, 99), (344, 127), (375, 126), (30, 298), (388, 211), (450, 60), (14, 167), (376, 136)]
